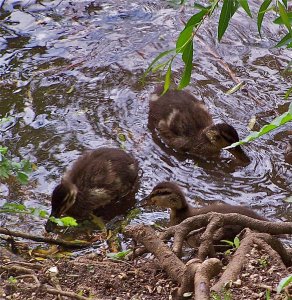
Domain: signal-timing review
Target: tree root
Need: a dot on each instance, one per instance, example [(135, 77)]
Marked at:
[(59, 242), (216, 221), (195, 275)]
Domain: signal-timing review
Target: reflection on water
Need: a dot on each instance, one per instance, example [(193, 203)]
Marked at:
[(70, 76)]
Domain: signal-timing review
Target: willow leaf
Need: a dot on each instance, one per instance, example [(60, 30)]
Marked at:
[(245, 6), (277, 122), (167, 79), (228, 9), (285, 40), (284, 16), (156, 59), (263, 9), (188, 60)]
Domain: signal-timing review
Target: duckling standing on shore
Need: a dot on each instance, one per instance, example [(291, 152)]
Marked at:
[(185, 125), (102, 177), (169, 195)]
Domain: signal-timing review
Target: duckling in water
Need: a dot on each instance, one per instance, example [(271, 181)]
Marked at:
[(99, 178), (169, 195), (185, 125)]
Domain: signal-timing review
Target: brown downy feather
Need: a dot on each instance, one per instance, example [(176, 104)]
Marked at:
[(169, 195), (186, 126), (99, 179)]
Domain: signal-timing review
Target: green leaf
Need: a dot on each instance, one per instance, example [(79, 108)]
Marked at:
[(283, 283), (236, 242), (12, 280), (22, 177), (287, 94), (69, 221), (284, 16), (285, 3), (268, 294), (245, 6), (228, 9), (3, 150), (188, 60), (230, 243), (235, 88), (279, 20), (14, 207), (263, 9), (56, 220), (280, 120), (197, 18), (157, 58), (187, 34), (122, 137), (200, 6), (183, 39), (119, 255), (167, 80), (285, 40)]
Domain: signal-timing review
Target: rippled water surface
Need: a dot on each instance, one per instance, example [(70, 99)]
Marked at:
[(70, 77)]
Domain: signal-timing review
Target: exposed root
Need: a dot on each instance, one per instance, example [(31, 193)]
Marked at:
[(195, 275)]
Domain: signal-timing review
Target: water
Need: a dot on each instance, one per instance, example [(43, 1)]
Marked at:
[(70, 77)]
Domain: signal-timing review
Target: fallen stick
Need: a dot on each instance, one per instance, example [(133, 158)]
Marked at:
[(41, 239)]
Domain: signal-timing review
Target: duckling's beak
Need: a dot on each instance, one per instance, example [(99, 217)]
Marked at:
[(146, 201), (50, 226), (239, 154)]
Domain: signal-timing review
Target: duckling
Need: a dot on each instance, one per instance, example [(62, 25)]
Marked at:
[(98, 179), (185, 125), (169, 195)]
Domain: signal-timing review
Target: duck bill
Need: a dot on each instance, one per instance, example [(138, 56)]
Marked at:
[(239, 154), (145, 201), (50, 226)]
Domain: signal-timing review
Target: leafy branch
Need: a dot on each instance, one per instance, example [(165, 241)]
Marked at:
[(17, 208), (185, 41)]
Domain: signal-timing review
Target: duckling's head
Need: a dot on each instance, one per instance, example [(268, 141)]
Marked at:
[(223, 135), (166, 194), (63, 197)]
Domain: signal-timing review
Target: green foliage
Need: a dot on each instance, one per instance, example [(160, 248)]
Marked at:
[(277, 122), (119, 255), (234, 244), (228, 10), (9, 167), (64, 222), (262, 11), (263, 262), (18, 208), (283, 283), (12, 280), (185, 48), (22, 209)]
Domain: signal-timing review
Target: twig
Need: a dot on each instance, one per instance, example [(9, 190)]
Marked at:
[(41, 239), (37, 282)]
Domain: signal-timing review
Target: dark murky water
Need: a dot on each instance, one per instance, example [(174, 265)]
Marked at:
[(70, 74)]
